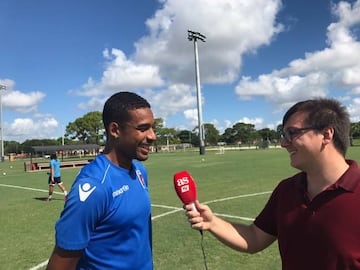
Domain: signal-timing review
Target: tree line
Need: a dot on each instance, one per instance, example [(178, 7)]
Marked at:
[(89, 129)]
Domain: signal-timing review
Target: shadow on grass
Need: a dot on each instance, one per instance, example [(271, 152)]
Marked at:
[(44, 199)]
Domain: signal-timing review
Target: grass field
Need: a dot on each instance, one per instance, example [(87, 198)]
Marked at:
[(235, 184)]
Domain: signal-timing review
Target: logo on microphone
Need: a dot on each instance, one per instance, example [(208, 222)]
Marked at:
[(185, 188), (183, 183)]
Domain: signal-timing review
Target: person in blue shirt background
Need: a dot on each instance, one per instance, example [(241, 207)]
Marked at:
[(55, 177), (106, 220)]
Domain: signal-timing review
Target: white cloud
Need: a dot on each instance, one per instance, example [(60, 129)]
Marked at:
[(93, 104), (283, 90), (22, 102), (121, 74), (336, 66), (129, 75), (26, 128), (257, 122), (176, 98), (163, 62), (231, 27), (20, 129), (19, 101), (191, 116), (354, 110)]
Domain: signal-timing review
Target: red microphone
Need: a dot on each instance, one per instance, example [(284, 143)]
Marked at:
[(185, 188)]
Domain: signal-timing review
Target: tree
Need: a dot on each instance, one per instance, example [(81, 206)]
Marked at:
[(159, 124), (268, 134), (211, 134), (355, 129), (228, 136), (12, 147), (185, 136), (354, 132), (279, 131), (165, 135), (87, 129), (240, 133)]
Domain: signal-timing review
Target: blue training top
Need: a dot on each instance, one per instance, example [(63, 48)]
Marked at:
[(55, 163), (108, 214)]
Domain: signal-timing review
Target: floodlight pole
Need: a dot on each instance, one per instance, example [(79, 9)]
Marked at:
[(194, 36), (62, 135), (2, 87)]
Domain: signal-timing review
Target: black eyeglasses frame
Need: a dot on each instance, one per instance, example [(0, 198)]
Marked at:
[(290, 133)]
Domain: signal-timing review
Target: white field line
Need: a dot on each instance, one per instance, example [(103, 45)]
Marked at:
[(177, 209), (236, 217), (239, 196), (40, 265), (29, 188), (173, 209)]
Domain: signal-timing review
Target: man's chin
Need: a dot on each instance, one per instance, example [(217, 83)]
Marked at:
[(142, 156)]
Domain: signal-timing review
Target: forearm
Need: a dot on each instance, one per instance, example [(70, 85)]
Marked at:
[(241, 237), (63, 260), (244, 238), (230, 234)]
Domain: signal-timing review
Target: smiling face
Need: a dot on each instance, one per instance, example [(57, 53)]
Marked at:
[(303, 142), (132, 140)]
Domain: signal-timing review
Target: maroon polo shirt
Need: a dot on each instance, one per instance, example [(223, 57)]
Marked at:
[(322, 234)]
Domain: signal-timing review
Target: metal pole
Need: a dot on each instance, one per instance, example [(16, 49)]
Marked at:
[(195, 36), (62, 136), (199, 102), (2, 87)]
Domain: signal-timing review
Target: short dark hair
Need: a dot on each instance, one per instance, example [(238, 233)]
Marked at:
[(116, 108), (53, 156), (322, 113)]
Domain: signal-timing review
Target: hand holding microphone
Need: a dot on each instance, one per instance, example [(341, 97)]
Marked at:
[(186, 190)]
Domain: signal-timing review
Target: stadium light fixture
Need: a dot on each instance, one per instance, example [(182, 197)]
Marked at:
[(2, 87), (194, 36)]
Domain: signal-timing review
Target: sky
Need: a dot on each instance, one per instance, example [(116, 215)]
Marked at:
[(60, 59)]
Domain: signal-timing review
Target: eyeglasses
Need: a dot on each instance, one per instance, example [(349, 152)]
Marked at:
[(290, 133)]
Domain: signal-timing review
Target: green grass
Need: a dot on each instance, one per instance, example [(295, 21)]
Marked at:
[(27, 221)]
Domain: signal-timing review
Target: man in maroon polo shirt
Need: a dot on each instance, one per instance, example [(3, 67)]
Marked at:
[(314, 214)]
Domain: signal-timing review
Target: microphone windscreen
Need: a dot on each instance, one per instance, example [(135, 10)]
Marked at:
[(185, 187)]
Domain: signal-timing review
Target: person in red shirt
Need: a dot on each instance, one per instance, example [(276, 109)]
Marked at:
[(314, 214)]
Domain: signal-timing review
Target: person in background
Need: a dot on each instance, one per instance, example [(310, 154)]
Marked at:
[(55, 177), (314, 215), (106, 221)]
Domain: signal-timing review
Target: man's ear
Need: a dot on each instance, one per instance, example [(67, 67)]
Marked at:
[(114, 130), (328, 133)]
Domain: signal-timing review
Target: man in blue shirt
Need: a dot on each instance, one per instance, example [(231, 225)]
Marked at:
[(55, 177), (106, 221)]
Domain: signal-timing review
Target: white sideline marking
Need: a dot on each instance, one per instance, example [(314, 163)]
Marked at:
[(239, 196), (237, 217), (174, 209), (28, 188), (40, 265), (177, 209), (166, 214)]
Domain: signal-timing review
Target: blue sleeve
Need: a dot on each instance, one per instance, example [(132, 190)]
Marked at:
[(83, 209)]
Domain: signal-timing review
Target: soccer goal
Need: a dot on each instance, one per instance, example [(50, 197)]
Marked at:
[(221, 150)]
